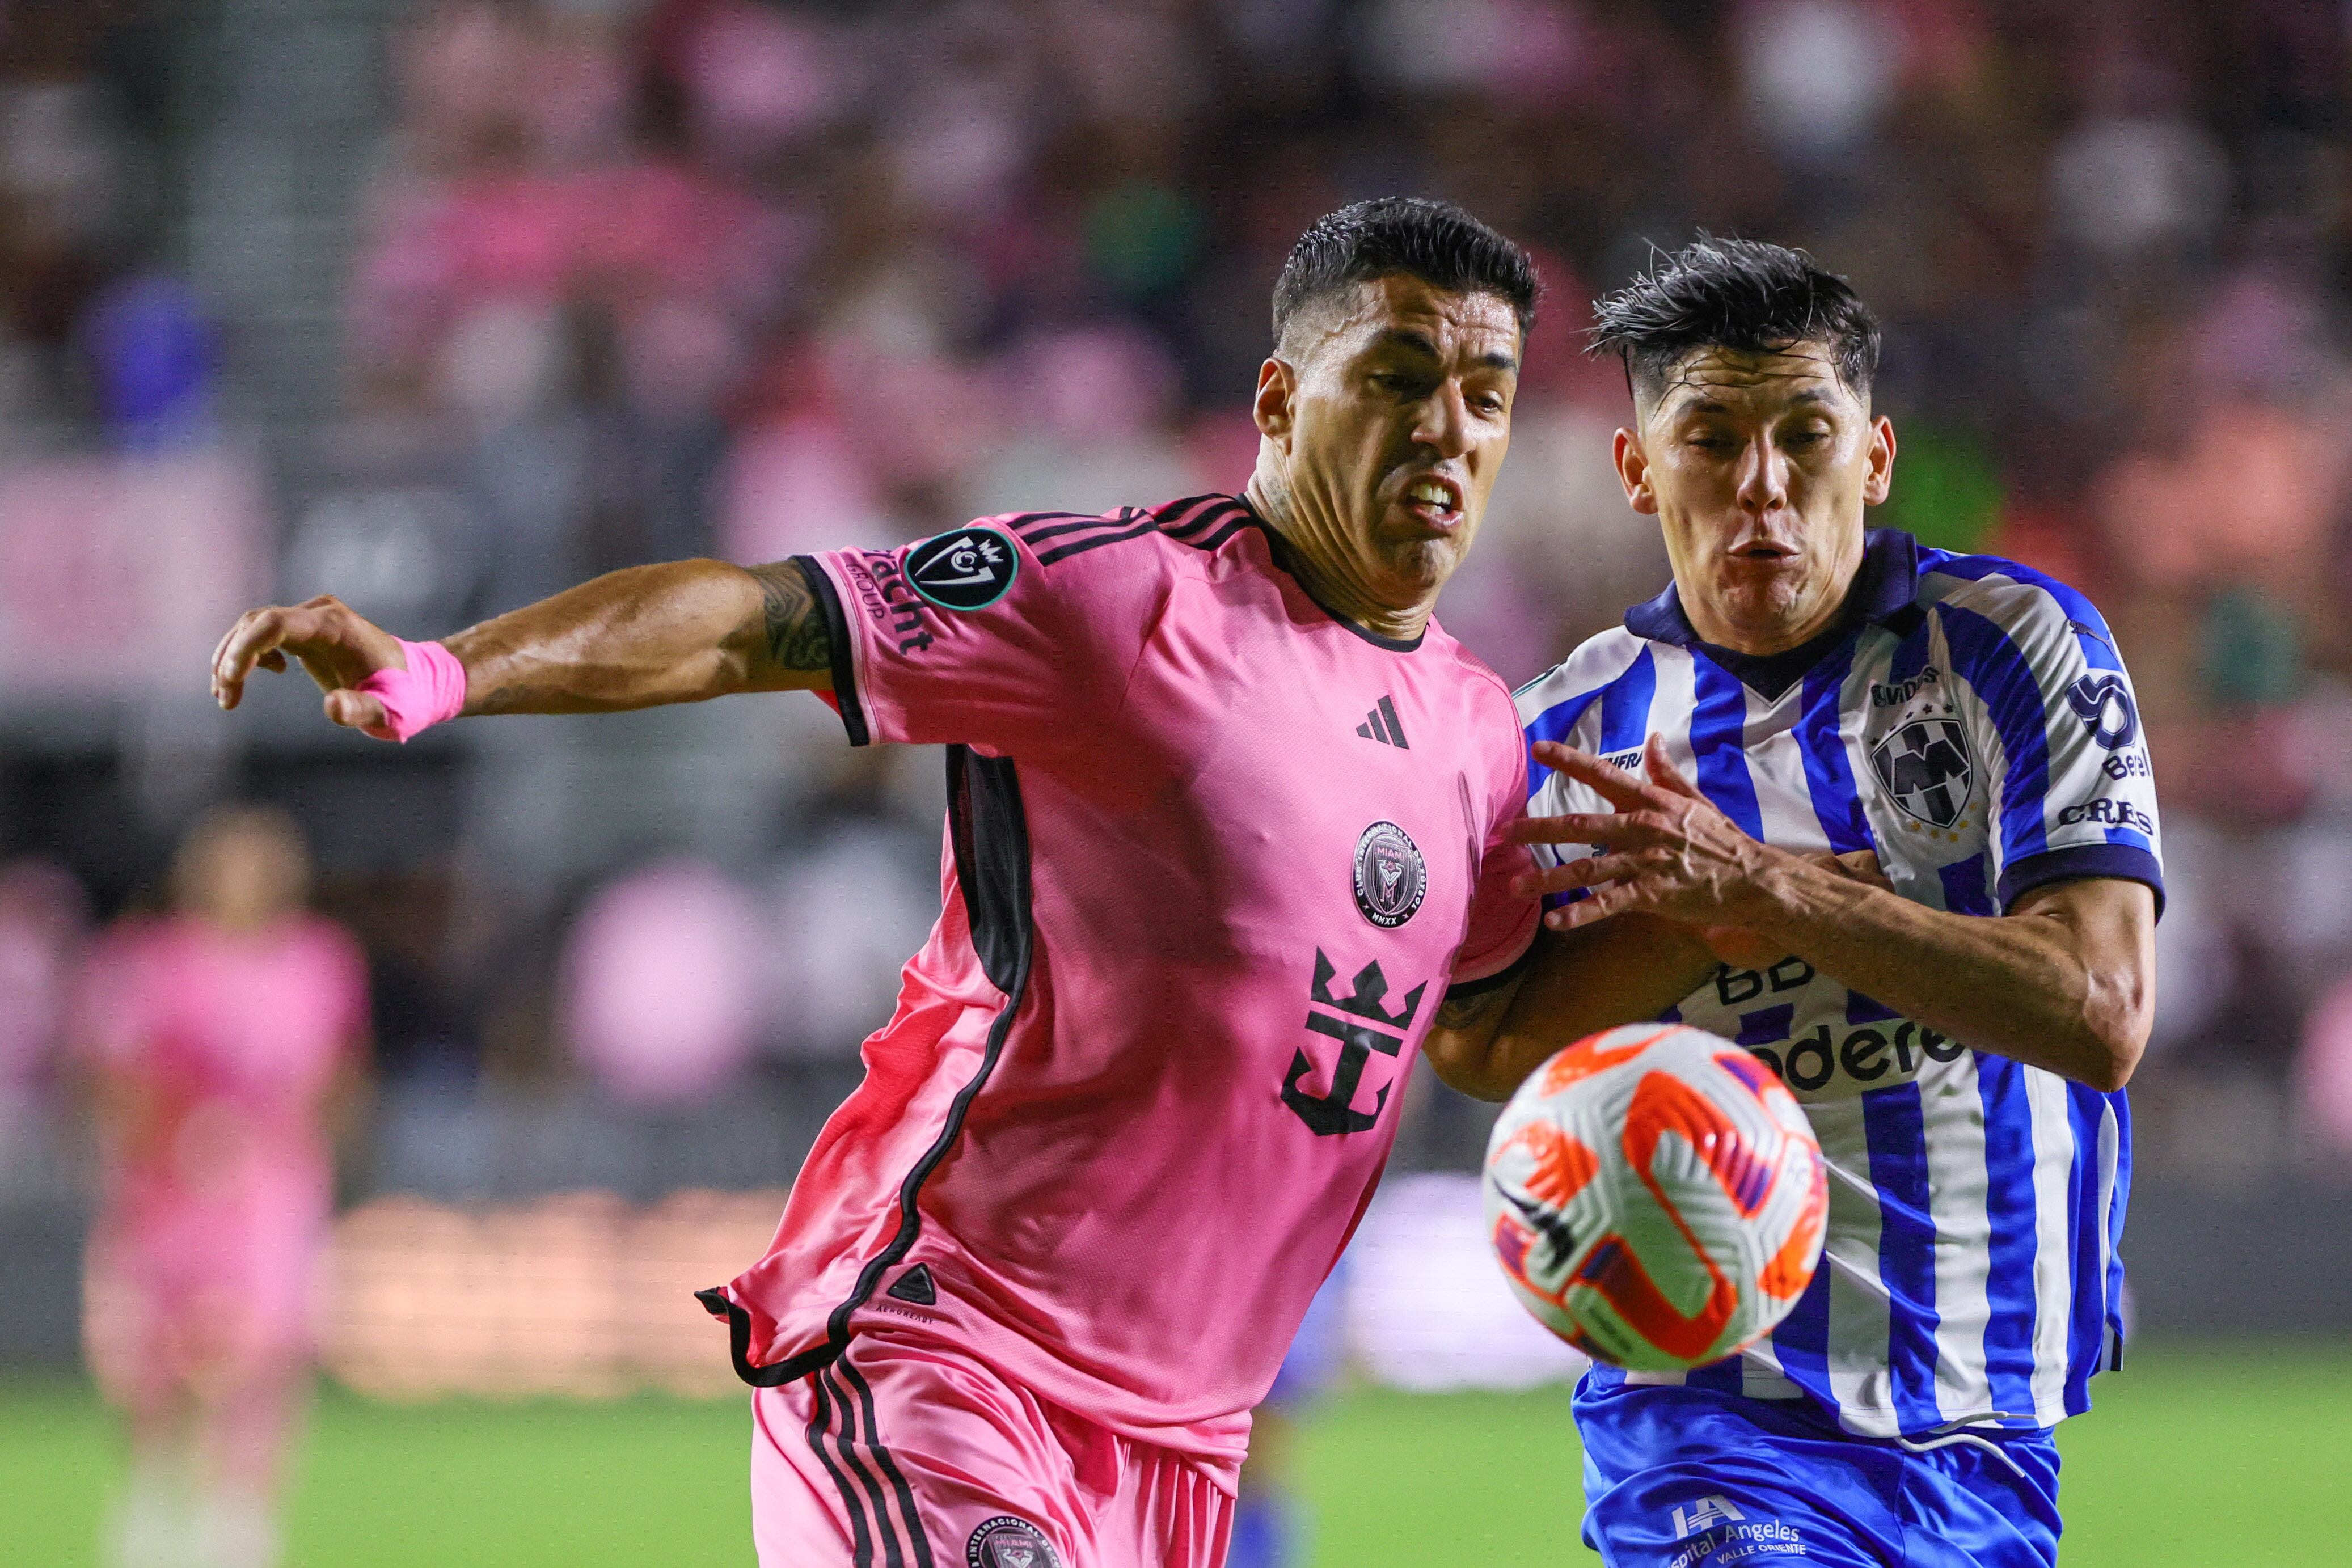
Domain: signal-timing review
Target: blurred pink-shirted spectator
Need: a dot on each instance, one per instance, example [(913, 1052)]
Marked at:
[(216, 1038), (519, 191), (660, 983)]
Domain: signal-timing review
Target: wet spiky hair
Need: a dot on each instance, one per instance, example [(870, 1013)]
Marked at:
[(1436, 242), (1740, 293)]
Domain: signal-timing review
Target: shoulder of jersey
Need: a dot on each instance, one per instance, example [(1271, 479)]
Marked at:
[(1473, 671), (1197, 526), (1598, 660), (2012, 595)]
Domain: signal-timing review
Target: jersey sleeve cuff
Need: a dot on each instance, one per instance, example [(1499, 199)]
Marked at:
[(2125, 862), (1479, 984), (842, 639)]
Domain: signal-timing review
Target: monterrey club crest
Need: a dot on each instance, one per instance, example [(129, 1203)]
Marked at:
[(1005, 1541), (969, 569), (1927, 769), (1390, 876)]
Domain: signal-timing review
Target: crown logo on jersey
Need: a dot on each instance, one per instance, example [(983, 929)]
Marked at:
[(1328, 1115), (1927, 769), (1372, 990)]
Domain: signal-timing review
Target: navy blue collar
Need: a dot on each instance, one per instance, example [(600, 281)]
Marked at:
[(1884, 593)]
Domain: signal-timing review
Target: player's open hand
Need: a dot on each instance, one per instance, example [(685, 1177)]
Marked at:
[(338, 646), (1665, 849), (1743, 949)]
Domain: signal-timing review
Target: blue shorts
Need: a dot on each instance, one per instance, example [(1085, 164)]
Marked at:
[(1690, 1478)]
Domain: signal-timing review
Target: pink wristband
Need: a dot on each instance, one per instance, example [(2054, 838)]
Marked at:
[(430, 691)]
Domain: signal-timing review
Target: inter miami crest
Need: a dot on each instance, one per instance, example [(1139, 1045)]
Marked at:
[(1005, 1541), (969, 569), (1926, 766), (1391, 877)]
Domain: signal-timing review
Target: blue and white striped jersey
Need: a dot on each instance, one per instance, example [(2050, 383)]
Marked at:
[(1976, 728)]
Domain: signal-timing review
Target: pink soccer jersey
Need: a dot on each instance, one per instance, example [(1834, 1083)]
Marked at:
[(221, 1046), (242, 1032), (1213, 858)]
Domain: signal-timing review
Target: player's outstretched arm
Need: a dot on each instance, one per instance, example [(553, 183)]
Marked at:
[(2064, 982), (1586, 978), (682, 631), (1577, 982)]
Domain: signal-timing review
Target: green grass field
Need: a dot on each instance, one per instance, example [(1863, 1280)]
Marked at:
[(2238, 1459)]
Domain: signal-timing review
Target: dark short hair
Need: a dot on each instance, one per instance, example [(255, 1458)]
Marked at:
[(1740, 293), (1436, 242)]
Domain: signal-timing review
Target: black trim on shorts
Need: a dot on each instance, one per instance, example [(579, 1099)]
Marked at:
[(838, 640), (861, 1539), (844, 1442), (990, 834), (889, 1466)]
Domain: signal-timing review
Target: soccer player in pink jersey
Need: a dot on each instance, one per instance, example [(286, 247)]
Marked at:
[(1227, 814), (216, 1038)]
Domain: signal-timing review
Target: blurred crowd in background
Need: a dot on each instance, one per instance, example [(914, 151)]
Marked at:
[(445, 306)]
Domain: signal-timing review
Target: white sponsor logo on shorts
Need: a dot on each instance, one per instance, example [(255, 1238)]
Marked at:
[(1706, 1511)]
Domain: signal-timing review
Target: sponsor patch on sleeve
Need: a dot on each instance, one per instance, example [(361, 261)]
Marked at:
[(967, 569)]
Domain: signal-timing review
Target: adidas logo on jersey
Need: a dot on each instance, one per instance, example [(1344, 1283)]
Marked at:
[(1382, 725), (915, 1285)]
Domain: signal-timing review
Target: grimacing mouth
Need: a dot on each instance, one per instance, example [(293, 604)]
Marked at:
[(1437, 489)]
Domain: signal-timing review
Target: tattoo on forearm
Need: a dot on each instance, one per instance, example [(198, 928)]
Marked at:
[(795, 631)]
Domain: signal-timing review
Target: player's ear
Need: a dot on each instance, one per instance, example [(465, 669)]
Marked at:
[(1880, 479), (1277, 385), (1634, 472)]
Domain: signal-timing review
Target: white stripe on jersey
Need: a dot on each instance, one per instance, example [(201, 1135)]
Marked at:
[(1858, 1306), (1978, 734), (2111, 1141), (1956, 1186), (2053, 1158)]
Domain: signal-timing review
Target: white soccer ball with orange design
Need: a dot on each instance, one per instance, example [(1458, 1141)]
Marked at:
[(1656, 1196)]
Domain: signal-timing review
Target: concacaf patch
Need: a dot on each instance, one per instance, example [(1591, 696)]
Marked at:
[(969, 569), (1005, 1541)]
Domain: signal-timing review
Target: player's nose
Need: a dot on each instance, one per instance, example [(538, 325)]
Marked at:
[(1763, 476), (1445, 422)]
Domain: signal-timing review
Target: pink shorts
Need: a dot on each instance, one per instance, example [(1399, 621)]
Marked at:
[(905, 1456)]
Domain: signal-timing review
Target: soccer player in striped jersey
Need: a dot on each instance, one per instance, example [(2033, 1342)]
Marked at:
[(1959, 1026), (1228, 814)]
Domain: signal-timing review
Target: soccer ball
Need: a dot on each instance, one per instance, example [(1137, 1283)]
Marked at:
[(1656, 1196)]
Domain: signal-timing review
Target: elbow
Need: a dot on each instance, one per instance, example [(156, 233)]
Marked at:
[(2110, 1071), (2116, 1046)]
